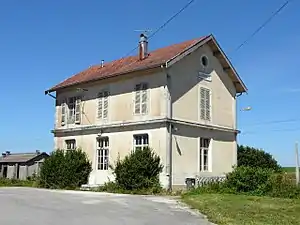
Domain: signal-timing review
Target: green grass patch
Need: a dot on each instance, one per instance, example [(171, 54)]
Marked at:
[(289, 169), (245, 210)]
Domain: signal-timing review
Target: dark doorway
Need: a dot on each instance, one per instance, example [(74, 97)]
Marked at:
[(5, 171), (18, 171)]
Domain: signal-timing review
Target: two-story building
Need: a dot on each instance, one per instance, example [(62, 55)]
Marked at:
[(179, 100)]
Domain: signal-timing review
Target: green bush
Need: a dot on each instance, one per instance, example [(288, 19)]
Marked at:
[(252, 157), (254, 181), (5, 182), (138, 170), (65, 170), (248, 179)]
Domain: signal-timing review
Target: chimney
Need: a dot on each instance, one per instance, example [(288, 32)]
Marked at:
[(102, 63), (7, 152), (143, 47)]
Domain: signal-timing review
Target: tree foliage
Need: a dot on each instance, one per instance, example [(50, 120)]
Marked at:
[(138, 170), (252, 157), (65, 169)]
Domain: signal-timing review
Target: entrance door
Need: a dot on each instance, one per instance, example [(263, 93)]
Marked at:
[(102, 160), (5, 171)]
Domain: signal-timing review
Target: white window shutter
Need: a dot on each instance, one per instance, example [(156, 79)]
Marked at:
[(78, 110), (105, 105), (202, 103), (137, 100), (100, 105), (144, 101), (207, 104), (63, 112)]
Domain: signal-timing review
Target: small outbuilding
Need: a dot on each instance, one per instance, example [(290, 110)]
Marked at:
[(21, 165)]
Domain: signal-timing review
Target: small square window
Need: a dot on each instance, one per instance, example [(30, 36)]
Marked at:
[(70, 144), (141, 141)]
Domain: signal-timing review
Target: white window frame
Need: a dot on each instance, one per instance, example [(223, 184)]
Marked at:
[(201, 154), (209, 113), (103, 98), (73, 110), (140, 90), (70, 144), (144, 141), (103, 153)]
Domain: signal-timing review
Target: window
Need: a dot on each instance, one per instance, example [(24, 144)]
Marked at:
[(204, 61), (141, 99), (71, 111), (140, 141), (103, 153), (71, 144), (205, 104), (203, 156), (103, 105)]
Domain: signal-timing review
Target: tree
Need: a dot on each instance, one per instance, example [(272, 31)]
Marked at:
[(252, 157), (138, 170), (65, 169)]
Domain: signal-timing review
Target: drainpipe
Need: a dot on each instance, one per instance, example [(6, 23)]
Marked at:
[(169, 129)]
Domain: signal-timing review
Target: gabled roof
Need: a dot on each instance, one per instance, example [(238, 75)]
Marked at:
[(20, 157), (155, 59)]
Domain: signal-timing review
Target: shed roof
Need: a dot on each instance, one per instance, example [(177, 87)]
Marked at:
[(20, 157)]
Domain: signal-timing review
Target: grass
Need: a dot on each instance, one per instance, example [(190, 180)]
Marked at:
[(289, 169), (245, 210)]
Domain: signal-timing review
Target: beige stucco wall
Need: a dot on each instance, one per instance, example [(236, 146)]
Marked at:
[(121, 100), (120, 143), (186, 145), (186, 87)]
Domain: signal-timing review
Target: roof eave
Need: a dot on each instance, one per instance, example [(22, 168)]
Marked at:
[(55, 88)]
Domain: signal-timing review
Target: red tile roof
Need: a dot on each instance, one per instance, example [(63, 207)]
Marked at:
[(127, 64)]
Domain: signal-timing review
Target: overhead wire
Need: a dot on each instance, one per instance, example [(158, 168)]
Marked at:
[(269, 19)]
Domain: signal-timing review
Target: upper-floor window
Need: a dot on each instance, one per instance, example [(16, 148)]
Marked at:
[(204, 154), (71, 110), (103, 105), (205, 104), (141, 99), (103, 153), (140, 141), (70, 144)]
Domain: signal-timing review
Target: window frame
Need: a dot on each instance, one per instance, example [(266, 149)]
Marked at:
[(101, 95), (142, 145), (67, 142), (75, 117), (201, 165), (205, 109), (140, 91), (103, 153)]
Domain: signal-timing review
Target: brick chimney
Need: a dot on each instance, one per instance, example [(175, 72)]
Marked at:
[(143, 47)]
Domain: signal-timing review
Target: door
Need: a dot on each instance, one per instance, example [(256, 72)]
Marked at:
[(102, 162), (5, 171)]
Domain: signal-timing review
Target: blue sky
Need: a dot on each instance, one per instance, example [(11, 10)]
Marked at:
[(44, 42)]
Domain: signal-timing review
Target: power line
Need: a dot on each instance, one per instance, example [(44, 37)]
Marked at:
[(263, 25), (273, 122), (275, 130), (164, 24)]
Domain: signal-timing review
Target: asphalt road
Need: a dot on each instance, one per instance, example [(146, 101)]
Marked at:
[(28, 206)]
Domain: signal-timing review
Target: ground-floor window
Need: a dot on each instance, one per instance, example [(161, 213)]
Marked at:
[(103, 153), (140, 141), (70, 144), (204, 154)]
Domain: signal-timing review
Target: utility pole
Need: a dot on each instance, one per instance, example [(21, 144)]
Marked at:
[(297, 164)]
